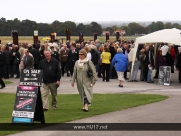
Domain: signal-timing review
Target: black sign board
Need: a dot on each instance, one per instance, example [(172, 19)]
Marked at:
[(28, 105), (164, 75), (107, 37), (67, 34), (14, 34), (95, 36), (31, 77)]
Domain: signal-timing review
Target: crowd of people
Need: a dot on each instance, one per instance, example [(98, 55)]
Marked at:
[(111, 60)]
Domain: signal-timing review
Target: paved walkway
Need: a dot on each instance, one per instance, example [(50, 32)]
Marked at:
[(167, 111)]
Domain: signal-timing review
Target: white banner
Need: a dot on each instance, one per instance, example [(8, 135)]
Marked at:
[(22, 114)]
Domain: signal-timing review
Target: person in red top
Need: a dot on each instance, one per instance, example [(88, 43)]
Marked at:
[(173, 52)]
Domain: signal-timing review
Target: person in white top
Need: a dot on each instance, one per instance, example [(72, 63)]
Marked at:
[(164, 49), (88, 48)]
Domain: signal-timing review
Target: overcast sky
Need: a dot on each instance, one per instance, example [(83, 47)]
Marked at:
[(47, 11)]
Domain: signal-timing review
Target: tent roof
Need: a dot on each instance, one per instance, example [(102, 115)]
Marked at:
[(172, 36)]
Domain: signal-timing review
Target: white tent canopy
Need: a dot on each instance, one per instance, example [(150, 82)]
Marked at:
[(172, 36)]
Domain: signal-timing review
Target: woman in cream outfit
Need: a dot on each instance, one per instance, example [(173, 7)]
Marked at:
[(84, 84)]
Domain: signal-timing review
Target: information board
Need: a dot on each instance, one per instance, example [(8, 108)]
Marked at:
[(31, 77), (25, 103), (28, 105), (164, 75)]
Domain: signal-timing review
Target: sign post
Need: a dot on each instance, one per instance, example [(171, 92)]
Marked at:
[(28, 105), (67, 34), (107, 37), (14, 34), (95, 36), (35, 37), (164, 75)]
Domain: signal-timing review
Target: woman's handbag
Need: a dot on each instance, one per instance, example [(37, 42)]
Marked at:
[(89, 71)]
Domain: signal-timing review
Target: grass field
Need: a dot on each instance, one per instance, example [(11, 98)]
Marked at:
[(7, 82), (69, 108), (29, 39)]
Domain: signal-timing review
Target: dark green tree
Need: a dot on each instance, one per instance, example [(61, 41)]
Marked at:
[(95, 28)]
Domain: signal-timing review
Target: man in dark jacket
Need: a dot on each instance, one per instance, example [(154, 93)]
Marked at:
[(150, 63), (94, 55), (36, 55), (72, 58), (112, 48), (55, 54), (64, 59), (8, 57), (28, 60), (12, 61), (51, 79), (2, 62)]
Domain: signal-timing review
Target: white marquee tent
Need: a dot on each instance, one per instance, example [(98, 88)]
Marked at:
[(172, 36)]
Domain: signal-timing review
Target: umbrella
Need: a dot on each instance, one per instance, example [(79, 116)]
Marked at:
[(46, 39)]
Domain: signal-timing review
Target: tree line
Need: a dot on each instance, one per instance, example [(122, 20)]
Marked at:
[(27, 27)]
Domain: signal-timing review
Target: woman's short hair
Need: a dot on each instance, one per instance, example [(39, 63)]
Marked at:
[(83, 51), (106, 49), (78, 45), (87, 48), (119, 50), (101, 48)]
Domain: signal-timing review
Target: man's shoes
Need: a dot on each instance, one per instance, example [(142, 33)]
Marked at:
[(54, 108), (45, 109), (2, 87), (135, 80), (130, 80), (126, 78), (150, 82), (68, 75)]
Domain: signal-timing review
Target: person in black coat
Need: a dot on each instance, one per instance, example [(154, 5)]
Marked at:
[(16, 55), (55, 54), (95, 55), (169, 60), (113, 50), (36, 55), (2, 62), (178, 64), (42, 49), (12, 61), (73, 56), (150, 63), (8, 58)]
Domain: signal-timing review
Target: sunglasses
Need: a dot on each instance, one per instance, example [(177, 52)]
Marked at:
[(81, 54)]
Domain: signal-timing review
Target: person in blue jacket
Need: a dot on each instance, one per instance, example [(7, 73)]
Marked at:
[(121, 63)]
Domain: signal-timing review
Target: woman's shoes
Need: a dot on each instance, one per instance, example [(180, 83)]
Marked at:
[(85, 108), (120, 85)]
